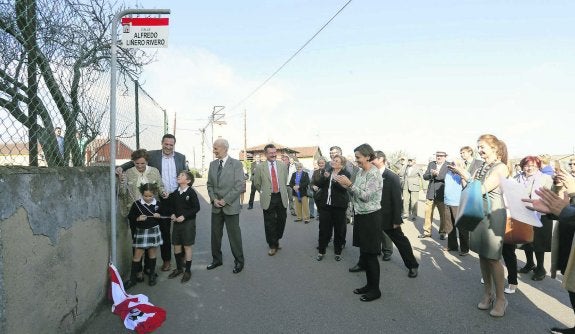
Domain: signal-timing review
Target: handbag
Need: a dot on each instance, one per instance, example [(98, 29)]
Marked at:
[(517, 232), (471, 211)]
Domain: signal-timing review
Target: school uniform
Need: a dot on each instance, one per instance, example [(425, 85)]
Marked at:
[(146, 234), (184, 202)]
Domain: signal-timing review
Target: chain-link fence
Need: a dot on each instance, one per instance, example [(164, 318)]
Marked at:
[(55, 86)]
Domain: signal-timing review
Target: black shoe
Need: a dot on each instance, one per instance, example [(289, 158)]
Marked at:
[(421, 236), (412, 273), (528, 267), (312, 216), (558, 330), (356, 269), (140, 277), (153, 279), (238, 268), (186, 277), (442, 236), (539, 275), (129, 284), (370, 296), (213, 265), (175, 273), (361, 290), (319, 257), (463, 253), (386, 257), (250, 207)]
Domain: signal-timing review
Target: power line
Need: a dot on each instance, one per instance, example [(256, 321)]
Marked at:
[(289, 59)]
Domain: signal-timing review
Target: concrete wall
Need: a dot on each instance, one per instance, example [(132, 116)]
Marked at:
[(54, 247)]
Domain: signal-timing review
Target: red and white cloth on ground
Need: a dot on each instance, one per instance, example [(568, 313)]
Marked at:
[(135, 310)]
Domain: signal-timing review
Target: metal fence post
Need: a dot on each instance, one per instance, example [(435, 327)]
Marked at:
[(113, 66)]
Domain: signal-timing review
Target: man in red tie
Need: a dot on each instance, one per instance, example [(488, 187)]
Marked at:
[(270, 180)]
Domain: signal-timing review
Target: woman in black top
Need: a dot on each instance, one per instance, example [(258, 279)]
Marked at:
[(332, 202)]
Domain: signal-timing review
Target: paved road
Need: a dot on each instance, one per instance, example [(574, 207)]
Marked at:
[(293, 293)]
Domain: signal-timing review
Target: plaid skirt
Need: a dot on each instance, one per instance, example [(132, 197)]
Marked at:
[(147, 237)]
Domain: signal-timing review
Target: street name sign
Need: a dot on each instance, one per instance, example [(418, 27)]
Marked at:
[(145, 32)]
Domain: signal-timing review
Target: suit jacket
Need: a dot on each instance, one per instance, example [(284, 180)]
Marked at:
[(391, 202), (228, 188), (263, 183), (155, 160), (475, 165), (303, 183), (436, 183), (253, 169), (412, 180)]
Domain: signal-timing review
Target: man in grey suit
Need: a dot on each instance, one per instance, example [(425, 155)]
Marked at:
[(270, 180), (225, 183), (411, 177), (170, 164)]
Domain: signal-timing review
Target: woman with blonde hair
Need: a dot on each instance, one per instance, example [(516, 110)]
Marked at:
[(487, 238), (298, 184)]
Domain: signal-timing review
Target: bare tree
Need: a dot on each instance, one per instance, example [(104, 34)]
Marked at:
[(53, 55), (393, 159)]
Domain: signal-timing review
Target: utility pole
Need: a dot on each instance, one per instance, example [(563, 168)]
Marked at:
[(174, 133), (203, 132), (112, 135), (245, 138), (137, 107), (217, 115)]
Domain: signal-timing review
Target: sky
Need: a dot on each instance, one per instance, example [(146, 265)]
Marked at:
[(412, 76)]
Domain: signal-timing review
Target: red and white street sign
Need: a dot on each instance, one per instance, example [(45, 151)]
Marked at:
[(145, 32)]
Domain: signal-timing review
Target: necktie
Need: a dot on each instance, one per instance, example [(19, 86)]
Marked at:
[(275, 187), (220, 170)]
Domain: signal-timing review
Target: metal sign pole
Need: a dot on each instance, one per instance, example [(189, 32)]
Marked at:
[(113, 66)]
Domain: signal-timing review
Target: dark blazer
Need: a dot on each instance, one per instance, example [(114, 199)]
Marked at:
[(475, 165), (155, 160), (303, 183), (185, 204), (436, 186), (339, 195), (391, 202)]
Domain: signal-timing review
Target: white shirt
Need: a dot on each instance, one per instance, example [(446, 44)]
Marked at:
[(224, 159), (169, 173)]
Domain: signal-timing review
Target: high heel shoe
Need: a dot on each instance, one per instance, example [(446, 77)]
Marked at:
[(501, 313), (486, 305), (510, 289)]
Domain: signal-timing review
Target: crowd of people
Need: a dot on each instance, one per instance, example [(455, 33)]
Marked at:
[(377, 199)]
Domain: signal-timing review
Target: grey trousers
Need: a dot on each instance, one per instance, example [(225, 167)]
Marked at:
[(232, 223)]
